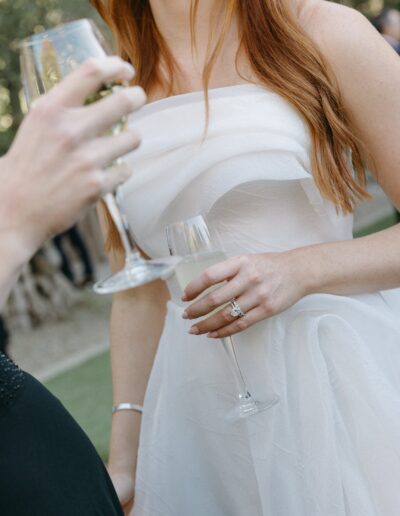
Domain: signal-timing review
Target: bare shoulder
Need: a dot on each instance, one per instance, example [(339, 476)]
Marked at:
[(367, 71), (340, 32)]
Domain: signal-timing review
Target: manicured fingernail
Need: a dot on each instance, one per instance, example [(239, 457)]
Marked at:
[(185, 315), (130, 70), (212, 335), (194, 330), (140, 94)]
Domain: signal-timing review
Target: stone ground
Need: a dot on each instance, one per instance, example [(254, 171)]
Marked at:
[(53, 348)]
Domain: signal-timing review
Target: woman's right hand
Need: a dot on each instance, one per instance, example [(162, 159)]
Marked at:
[(124, 485)]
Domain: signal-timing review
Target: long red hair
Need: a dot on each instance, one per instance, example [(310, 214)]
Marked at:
[(282, 56)]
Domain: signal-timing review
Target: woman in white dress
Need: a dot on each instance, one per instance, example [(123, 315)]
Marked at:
[(302, 97)]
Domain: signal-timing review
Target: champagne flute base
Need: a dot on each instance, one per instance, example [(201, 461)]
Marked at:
[(132, 277), (247, 406)]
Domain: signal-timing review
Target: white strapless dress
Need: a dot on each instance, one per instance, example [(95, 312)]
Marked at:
[(331, 447)]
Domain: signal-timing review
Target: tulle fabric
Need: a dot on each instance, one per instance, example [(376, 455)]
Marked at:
[(331, 447)]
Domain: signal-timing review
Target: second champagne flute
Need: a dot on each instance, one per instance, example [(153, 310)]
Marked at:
[(199, 247), (48, 57)]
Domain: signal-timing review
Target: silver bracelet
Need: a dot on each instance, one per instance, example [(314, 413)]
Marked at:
[(127, 406)]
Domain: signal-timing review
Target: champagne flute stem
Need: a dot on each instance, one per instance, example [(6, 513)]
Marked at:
[(231, 352), (131, 251)]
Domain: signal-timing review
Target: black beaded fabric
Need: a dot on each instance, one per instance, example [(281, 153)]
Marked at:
[(12, 380)]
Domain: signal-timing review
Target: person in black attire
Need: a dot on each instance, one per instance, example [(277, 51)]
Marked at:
[(79, 246), (48, 467)]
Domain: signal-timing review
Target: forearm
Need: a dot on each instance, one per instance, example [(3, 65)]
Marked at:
[(135, 331), (14, 252), (366, 264), (18, 242)]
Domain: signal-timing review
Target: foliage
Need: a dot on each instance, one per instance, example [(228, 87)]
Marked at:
[(21, 18), (371, 7)]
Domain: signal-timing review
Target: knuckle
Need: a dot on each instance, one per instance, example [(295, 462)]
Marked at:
[(208, 277), (242, 324), (93, 68), (213, 300), (44, 109), (267, 306), (226, 316), (255, 278), (244, 259), (66, 137), (86, 161), (263, 294)]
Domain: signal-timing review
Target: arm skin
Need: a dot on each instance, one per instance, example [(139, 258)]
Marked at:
[(368, 73), (137, 321), (136, 324)]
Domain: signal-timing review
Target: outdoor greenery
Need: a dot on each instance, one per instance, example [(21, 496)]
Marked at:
[(86, 392), (20, 18)]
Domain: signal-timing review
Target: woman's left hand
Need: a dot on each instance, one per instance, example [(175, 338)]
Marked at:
[(262, 284)]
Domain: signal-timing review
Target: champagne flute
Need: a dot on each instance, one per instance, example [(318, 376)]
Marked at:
[(198, 246), (46, 58)]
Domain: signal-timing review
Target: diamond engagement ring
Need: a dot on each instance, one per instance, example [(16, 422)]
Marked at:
[(236, 310)]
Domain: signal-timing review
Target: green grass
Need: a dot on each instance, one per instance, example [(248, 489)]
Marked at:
[(388, 221), (86, 392)]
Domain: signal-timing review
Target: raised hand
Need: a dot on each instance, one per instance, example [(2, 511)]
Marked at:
[(57, 164)]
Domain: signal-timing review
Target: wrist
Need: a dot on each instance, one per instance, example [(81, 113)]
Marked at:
[(307, 267), (18, 231), (125, 431), (16, 249)]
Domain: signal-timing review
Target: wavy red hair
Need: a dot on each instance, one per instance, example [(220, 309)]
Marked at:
[(283, 58)]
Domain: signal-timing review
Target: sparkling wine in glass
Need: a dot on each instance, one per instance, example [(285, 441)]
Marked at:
[(198, 246), (46, 58)]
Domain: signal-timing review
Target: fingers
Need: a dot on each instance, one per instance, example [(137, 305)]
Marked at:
[(252, 317), (113, 177), (102, 115), (212, 276), (223, 317), (102, 151), (215, 299), (101, 180), (89, 77)]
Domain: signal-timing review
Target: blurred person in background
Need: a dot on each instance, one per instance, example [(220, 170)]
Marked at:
[(54, 170), (388, 24), (74, 238), (295, 88)]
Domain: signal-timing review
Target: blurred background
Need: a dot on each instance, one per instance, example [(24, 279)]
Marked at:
[(54, 326)]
